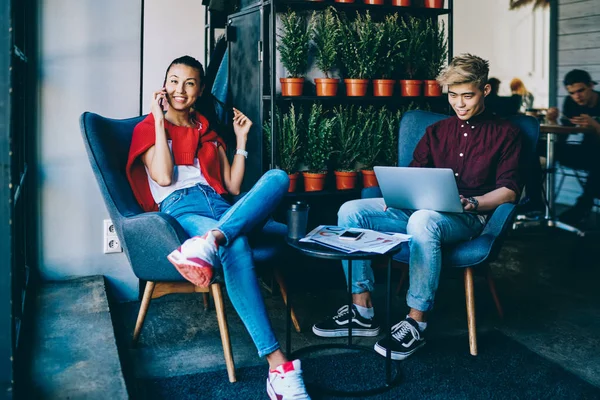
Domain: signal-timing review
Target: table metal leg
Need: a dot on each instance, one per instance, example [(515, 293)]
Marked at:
[(388, 323), (288, 324), (350, 302), (550, 217)]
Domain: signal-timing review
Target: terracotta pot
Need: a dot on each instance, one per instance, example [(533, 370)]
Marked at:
[(293, 181), (327, 86), (344, 1), (356, 87), (410, 87), (434, 3), (345, 180), (375, 2), (401, 3), (314, 182), (369, 178), (383, 87), (432, 88), (291, 86)]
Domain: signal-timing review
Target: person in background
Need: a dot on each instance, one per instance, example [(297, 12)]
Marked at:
[(517, 88), (500, 106), (177, 165), (580, 108), (484, 153)]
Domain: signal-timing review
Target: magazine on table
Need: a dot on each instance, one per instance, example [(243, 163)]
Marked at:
[(350, 240)]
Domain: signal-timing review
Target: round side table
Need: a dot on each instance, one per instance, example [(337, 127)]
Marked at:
[(319, 251)]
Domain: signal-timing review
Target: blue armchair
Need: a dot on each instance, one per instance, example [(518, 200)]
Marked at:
[(481, 250), (147, 238)]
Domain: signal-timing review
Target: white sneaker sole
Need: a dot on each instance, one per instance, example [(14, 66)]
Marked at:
[(395, 356), (344, 332)]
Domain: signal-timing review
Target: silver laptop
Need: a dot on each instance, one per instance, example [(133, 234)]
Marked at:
[(419, 188)]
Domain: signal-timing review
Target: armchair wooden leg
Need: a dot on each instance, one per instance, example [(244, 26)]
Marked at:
[(492, 285), (283, 290), (470, 296), (215, 290), (205, 301), (143, 310)]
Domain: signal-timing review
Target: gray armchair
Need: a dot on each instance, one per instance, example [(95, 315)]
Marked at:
[(147, 237), (483, 249)]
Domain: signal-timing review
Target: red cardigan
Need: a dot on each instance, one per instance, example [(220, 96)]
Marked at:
[(185, 141)]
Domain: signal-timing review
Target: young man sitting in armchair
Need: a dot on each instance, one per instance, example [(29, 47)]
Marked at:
[(484, 153)]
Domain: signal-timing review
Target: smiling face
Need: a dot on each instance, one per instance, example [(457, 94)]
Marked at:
[(467, 99), (582, 93), (183, 86)]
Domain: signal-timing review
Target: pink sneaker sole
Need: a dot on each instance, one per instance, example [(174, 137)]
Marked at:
[(192, 270)]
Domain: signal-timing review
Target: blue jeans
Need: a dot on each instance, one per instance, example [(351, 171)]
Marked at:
[(429, 230), (199, 209)]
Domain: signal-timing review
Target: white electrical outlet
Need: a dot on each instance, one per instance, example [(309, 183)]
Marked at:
[(111, 241)]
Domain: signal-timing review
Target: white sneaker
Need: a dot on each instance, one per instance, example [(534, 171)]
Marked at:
[(195, 259), (285, 382)]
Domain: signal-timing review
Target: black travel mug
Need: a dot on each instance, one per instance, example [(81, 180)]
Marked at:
[(297, 216)]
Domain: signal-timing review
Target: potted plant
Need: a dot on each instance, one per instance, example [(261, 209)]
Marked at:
[(434, 3), (373, 124), (415, 34), (436, 56), (347, 145), (401, 3), (325, 34), (293, 49), (358, 52), (319, 131), (287, 142), (389, 153), (390, 55)]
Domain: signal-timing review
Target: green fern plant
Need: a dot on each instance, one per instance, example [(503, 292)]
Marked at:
[(390, 51), (319, 133), (294, 44), (389, 153), (414, 32), (436, 48), (373, 124), (288, 145), (347, 138), (325, 36), (358, 46)]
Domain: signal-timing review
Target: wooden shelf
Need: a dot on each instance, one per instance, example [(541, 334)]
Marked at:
[(357, 6), (350, 99)]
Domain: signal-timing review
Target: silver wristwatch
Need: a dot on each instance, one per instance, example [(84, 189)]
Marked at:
[(473, 201)]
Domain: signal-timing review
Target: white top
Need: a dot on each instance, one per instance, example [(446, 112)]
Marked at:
[(185, 176)]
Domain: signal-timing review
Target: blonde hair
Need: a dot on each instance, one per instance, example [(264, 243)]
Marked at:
[(517, 86), (465, 68)]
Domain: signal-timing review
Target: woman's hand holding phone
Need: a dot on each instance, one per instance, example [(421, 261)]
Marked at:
[(159, 104)]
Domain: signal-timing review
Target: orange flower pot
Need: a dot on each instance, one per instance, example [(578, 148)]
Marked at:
[(369, 178), (314, 182), (291, 86), (383, 87), (401, 3), (410, 87), (345, 180), (375, 2), (326, 86), (434, 3), (356, 87), (293, 181), (344, 1), (432, 88)]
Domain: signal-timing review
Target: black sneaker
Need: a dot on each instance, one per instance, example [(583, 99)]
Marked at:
[(337, 326), (406, 339)]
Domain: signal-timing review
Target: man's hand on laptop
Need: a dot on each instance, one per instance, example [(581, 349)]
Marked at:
[(469, 203)]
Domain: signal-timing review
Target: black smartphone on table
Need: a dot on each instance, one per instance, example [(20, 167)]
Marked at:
[(351, 235)]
